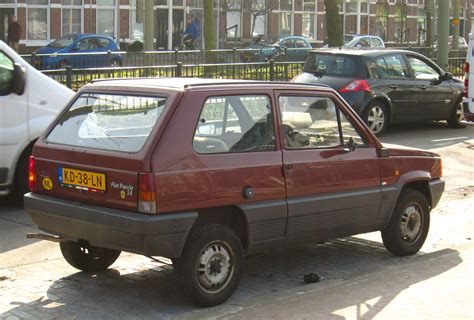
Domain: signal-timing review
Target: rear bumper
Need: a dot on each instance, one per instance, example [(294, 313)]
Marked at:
[(159, 235), (468, 114), (436, 190)]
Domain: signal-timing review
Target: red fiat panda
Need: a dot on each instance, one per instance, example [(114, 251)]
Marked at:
[(207, 171)]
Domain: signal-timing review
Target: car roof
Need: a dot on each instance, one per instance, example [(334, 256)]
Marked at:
[(369, 52), (182, 84), (83, 35)]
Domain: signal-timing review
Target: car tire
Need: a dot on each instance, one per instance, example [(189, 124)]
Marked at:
[(409, 224), (457, 116), (86, 257), (21, 177), (211, 265), (376, 117)]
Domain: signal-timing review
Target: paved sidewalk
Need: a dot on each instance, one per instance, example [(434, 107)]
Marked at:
[(438, 285)]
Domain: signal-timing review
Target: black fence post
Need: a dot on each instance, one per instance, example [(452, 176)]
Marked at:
[(179, 69), (272, 70), (69, 76), (109, 58), (285, 52), (234, 61), (176, 56)]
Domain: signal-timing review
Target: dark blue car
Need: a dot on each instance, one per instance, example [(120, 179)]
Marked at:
[(79, 51)]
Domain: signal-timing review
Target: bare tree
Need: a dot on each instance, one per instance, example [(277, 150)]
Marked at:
[(333, 23)]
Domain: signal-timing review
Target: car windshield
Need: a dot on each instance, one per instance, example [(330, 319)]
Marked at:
[(62, 42), (330, 64), (108, 121)]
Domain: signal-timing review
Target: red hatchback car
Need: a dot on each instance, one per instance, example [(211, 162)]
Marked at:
[(207, 171)]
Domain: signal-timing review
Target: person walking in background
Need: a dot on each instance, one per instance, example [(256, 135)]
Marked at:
[(14, 33)]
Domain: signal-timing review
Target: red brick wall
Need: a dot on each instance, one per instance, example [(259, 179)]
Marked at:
[(55, 23)]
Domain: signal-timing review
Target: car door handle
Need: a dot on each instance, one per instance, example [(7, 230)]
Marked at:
[(394, 86), (423, 87)]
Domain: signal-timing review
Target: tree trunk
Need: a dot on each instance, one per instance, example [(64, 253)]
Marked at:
[(333, 24), (209, 30)]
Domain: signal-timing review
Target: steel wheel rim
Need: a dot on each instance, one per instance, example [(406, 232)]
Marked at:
[(460, 113), (376, 119), (411, 223), (215, 267)]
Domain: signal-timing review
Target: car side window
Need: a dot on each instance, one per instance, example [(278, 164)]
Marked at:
[(422, 70), (230, 124), (300, 43), (376, 42), (391, 66), (103, 43), (314, 122), (6, 74)]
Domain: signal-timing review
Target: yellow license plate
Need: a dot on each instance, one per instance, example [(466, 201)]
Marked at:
[(87, 180)]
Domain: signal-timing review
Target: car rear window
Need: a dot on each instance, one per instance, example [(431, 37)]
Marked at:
[(331, 64), (108, 121)]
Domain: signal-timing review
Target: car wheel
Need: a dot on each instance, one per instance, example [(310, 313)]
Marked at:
[(376, 117), (457, 117), (86, 257), (409, 224), (211, 265)]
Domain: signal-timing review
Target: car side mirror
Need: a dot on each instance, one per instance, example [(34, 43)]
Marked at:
[(350, 145), (19, 79), (446, 76)]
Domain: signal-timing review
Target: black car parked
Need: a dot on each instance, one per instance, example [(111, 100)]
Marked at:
[(386, 86)]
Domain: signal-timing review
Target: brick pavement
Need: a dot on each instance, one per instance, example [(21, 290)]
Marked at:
[(360, 281)]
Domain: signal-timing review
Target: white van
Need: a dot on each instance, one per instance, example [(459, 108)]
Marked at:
[(469, 85), (29, 101)]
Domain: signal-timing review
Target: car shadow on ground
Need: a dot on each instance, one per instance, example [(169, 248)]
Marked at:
[(427, 135), (149, 291)]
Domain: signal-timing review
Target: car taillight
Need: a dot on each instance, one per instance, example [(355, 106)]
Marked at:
[(146, 193), (355, 86), (466, 67), (32, 174), (466, 86)]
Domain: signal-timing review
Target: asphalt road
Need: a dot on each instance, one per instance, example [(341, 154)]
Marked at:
[(360, 280)]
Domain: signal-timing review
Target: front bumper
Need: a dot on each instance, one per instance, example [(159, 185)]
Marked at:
[(436, 190), (158, 235)]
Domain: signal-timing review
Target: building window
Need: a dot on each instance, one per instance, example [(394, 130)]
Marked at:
[(233, 16), (400, 22), (284, 23), (259, 13), (309, 5), (381, 19), (136, 26), (71, 17), (286, 5), (37, 19), (308, 25), (106, 17)]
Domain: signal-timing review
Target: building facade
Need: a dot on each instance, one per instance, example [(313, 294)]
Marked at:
[(398, 22)]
